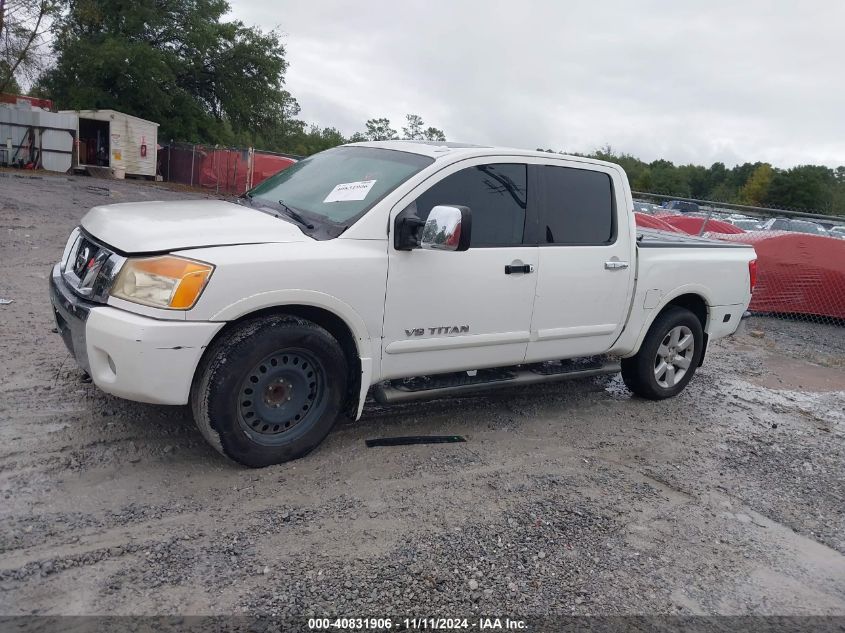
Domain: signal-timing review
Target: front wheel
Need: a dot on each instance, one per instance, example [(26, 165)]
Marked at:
[(668, 357), (270, 390)]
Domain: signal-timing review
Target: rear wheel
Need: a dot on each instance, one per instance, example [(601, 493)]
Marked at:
[(270, 390), (668, 356)]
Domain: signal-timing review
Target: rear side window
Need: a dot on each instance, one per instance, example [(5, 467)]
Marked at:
[(578, 207), (496, 195)]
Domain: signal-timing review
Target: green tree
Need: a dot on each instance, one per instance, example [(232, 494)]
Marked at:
[(379, 130), (810, 187), (11, 85), (696, 177), (723, 192), (838, 197), (804, 187), (433, 134), (177, 62), (716, 175), (739, 175), (414, 130), (756, 190), (643, 182), (667, 179), (312, 140), (23, 27)]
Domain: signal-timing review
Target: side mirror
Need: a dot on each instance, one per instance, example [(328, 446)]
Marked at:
[(448, 228)]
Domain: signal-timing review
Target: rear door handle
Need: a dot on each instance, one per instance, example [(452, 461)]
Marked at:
[(612, 265), (511, 269)]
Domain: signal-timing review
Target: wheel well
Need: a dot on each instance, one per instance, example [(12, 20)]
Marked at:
[(335, 326), (695, 304)]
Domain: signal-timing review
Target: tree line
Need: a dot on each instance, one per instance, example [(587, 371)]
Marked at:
[(805, 187), (208, 79)]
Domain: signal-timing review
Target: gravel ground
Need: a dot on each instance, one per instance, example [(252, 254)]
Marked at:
[(568, 499)]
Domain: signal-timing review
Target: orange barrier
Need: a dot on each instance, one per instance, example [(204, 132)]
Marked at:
[(653, 222), (226, 170), (798, 273), (692, 225)]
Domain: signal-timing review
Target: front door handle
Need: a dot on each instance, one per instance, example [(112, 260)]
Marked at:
[(614, 265), (511, 269)]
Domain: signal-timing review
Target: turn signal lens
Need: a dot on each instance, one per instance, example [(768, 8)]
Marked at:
[(162, 282), (752, 274)]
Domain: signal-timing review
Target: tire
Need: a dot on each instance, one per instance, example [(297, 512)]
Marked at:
[(644, 374), (269, 390)]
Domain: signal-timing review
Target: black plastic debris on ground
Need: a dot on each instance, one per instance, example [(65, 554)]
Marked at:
[(415, 439)]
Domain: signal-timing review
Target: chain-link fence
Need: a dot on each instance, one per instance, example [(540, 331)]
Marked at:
[(800, 254), (225, 170)]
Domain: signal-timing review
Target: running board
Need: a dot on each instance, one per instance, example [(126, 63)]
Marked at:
[(436, 386)]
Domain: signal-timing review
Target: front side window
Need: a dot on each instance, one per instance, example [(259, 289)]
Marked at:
[(578, 207), (496, 194)]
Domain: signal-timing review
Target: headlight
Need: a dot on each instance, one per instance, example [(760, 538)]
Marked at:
[(162, 282)]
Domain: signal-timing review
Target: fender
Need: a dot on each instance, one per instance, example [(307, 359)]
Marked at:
[(280, 298), (687, 289)]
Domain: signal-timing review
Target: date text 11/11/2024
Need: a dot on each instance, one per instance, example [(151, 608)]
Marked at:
[(417, 624)]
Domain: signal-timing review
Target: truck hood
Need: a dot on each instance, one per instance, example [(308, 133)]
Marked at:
[(148, 227)]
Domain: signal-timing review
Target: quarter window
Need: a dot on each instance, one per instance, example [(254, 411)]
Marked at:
[(578, 207), (496, 195)]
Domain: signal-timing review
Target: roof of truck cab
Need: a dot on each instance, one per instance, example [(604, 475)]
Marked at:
[(438, 149)]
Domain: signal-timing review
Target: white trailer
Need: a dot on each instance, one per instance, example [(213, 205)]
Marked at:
[(124, 143)]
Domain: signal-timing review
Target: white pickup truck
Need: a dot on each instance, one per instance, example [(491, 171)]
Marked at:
[(404, 269)]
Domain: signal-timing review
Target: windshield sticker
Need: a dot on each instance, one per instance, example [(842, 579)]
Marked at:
[(350, 191)]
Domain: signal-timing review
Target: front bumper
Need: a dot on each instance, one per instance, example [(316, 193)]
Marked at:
[(71, 313), (128, 355)]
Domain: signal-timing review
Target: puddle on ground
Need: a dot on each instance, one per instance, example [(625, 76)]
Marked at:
[(784, 372)]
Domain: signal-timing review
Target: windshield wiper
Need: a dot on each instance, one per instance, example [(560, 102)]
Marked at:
[(294, 215), (274, 206)]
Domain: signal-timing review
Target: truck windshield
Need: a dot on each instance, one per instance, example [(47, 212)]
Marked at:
[(340, 184)]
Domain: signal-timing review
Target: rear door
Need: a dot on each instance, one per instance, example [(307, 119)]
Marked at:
[(587, 261)]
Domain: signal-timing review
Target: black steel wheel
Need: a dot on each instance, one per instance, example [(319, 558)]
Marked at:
[(280, 395), (270, 389)]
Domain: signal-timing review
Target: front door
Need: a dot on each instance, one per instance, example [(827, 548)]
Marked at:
[(586, 261), (446, 311)]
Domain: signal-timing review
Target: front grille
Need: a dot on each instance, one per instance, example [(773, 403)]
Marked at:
[(85, 262)]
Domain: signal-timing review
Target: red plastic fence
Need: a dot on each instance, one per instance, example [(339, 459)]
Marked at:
[(692, 224), (266, 165), (797, 273), (653, 222), (225, 170)]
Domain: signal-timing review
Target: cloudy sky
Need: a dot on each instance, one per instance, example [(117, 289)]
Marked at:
[(688, 81)]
